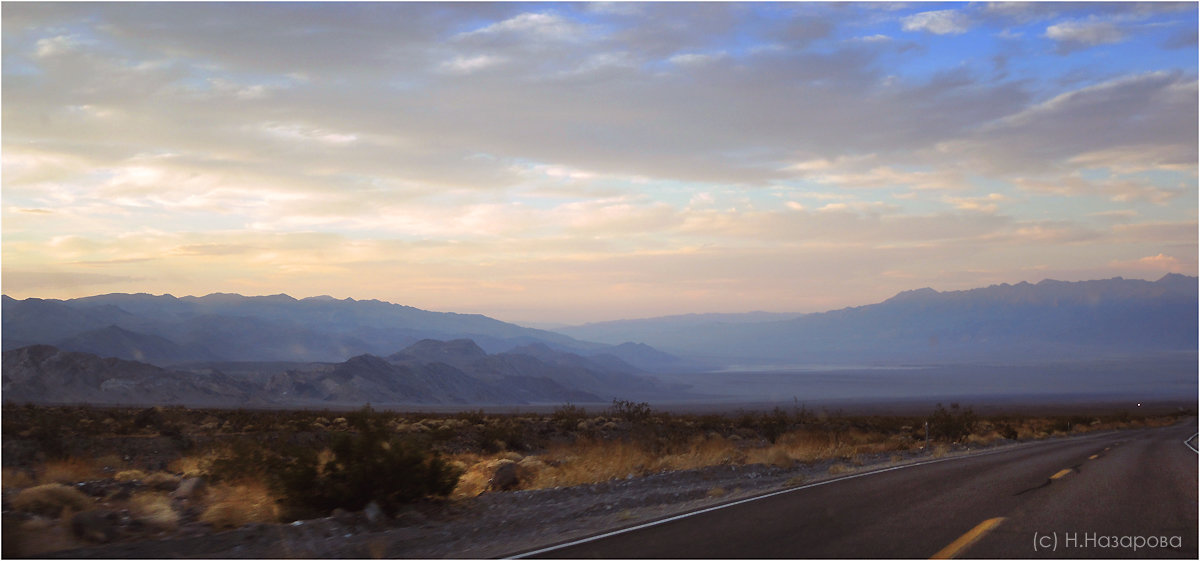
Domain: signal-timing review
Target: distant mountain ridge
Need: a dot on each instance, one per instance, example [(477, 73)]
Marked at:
[(166, 330), (1050, 320), (429, 372)]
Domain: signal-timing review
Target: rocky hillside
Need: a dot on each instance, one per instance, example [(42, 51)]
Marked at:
[(428, 372), (44, 374)]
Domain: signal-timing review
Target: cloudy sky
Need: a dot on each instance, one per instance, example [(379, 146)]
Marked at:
[(581, 162)]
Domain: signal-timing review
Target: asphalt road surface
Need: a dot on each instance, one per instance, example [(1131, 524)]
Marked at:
[(1127, 494)]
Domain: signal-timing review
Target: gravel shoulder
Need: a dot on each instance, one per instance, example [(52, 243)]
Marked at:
[(500, 524)]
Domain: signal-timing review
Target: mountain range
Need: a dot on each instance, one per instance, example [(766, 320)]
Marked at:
[(1050, 320), (428, 372), (165, 330), (228, 349)]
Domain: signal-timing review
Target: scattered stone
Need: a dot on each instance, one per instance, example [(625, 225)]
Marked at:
[(373, 514), (505, 476), (190, 488)]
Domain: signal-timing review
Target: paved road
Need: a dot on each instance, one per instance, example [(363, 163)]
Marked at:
[(1089, 496)]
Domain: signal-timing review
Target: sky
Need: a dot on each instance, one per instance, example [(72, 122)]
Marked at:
[(569, 163)]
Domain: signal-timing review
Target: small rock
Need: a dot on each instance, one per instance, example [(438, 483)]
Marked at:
[(505, 476), (373, 514), (98, 526), (190, 488)]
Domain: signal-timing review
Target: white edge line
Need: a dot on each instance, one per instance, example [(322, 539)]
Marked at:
[(1188, 443), (742, 501)]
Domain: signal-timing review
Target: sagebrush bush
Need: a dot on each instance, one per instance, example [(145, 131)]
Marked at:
[(952, 424), (234, 506), (367, 463), (154, 510), (51, 499)]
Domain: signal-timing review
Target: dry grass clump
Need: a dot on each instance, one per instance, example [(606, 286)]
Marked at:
[(839, 468), (69, 470), (234, 506), (154, 510), (130, 475), (14, 478), (982, 439), (197, 465), (593, 461), (161, 481), (704, 451), (52, 499), (773, 456)]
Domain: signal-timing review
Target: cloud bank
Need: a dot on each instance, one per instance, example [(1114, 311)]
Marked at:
[(587, 162)]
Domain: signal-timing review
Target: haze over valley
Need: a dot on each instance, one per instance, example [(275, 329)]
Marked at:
[(1052, 340)]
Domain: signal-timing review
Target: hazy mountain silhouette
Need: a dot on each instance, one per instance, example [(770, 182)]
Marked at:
[(1048, 320), (429, 372), (165, 330)]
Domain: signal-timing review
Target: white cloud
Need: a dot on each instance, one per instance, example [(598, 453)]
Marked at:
[(57, 45), (542, 25), (938, 22), (876, 38), (1160, 263), (467, 65), (988, 203), (695, 59), (1074, 35), (295, 131)]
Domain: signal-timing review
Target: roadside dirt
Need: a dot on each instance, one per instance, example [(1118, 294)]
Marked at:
[(495, 524)]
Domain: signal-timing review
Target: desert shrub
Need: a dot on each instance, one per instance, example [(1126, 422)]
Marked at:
[(952, 424), (362, 465), (51, 499), (774, 424), (154, 510), (1007, 431), (234, 506), (630, 411), (502, 434), (568, 416)]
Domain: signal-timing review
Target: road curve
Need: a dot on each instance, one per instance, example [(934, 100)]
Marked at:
[(1126, 494)]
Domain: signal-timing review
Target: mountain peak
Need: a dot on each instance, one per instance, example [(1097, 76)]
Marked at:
[(910, 295)]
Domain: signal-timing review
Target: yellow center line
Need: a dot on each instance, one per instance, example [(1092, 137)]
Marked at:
[(1093, 456), (1061, 474), (964, 541)]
